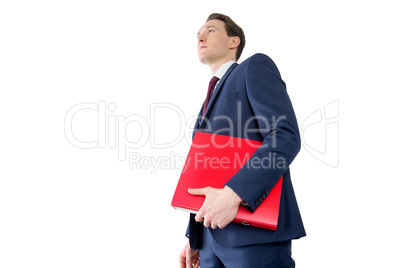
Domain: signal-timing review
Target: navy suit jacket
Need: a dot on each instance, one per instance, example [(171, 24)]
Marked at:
[(251, 102)]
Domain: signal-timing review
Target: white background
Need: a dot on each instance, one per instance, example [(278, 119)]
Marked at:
[(63, 206)]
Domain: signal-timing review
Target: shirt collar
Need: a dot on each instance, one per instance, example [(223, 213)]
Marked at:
[(222, 70)]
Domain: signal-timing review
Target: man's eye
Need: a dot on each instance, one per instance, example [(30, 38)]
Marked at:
[(210, 31)]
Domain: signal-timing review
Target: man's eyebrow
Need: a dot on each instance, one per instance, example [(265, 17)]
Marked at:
[(207, 29)]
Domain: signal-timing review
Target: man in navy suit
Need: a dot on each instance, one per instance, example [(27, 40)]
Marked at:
[(249, 101)]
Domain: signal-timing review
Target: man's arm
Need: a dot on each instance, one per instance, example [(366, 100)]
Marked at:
[(277, 124)]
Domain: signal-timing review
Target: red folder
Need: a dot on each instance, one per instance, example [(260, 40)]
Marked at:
[(212, 161)]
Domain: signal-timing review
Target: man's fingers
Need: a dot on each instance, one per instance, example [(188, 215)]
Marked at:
[(211, 213), (207, 224), (183, 257), (199, 217), (199, 191), (223, 225), (192, 258), (182, 260), (188, 258)]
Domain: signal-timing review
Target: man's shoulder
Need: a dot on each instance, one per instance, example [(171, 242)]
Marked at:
[(257, 62), (258, 57)]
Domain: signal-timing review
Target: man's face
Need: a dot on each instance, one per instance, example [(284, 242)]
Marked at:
[(213, 42)]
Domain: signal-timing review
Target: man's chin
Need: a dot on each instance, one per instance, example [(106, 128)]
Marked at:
[(204, 60)]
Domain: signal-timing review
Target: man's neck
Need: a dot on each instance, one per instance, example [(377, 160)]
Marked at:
[(216, 65)]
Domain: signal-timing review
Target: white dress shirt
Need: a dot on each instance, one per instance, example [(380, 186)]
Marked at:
[(222, 70)]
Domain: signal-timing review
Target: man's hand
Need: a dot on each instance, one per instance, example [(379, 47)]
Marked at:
[(220, 206), (189, 257)]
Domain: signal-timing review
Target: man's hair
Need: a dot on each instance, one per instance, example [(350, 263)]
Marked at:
[(232, 29)]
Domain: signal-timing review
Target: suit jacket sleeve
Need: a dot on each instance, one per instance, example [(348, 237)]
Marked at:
[(266, 93)]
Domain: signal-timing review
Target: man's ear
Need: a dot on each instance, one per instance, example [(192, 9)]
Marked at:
[(235, 42)]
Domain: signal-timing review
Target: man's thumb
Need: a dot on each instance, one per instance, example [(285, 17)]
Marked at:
[(197, 191)]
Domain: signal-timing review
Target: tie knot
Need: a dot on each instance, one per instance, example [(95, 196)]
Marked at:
[(213, 81)]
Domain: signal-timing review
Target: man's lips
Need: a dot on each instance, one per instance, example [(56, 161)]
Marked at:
[(201, 47)]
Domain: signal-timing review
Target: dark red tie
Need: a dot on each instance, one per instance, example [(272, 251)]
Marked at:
[(211, 87)]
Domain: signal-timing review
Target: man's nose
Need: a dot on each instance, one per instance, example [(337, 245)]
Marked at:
[(201, 38)]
